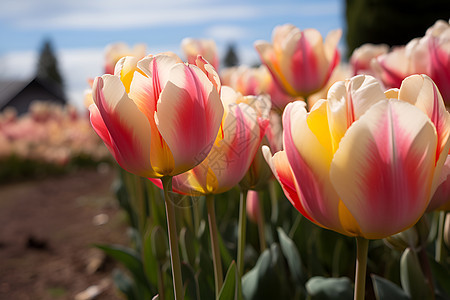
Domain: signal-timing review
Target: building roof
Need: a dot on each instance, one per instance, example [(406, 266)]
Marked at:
[(9, 89)]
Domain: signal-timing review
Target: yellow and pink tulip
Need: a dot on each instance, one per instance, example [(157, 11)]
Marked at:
[(300, 61), (157, 116), (364, 163), (204, 47), (243, 126)]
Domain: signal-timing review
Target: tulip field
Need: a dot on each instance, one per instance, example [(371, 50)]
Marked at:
[(307, 177)]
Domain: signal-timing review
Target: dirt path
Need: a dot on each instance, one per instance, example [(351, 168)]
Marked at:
[(46, 229)]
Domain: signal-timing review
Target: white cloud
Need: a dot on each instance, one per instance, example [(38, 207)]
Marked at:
[(76, 67), (226, 33), (110, 15), (20, 65)]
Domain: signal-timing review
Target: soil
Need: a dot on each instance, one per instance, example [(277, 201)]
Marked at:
[(47, 228)]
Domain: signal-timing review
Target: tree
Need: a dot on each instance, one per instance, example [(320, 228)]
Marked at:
[(231, 59), (47, 68), (392, 22)]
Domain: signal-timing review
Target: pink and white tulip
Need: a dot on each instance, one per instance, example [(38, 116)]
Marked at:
[(402, 61), (204, 47), (243, 126), (256, 81), (300, 61), (115, 51), (441, 198), (362, 164), (157, 116), (439, 49), (360, 60)]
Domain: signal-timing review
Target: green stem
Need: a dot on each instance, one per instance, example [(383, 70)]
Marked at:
[(294, 227), (173, 239), (140, 205), (161, 283), (241, 232), (188, 217), (440, 237), (362, 249), (218, 273), (196, 215), (261, 224)]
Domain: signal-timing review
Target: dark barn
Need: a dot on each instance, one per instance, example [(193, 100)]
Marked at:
[(19, 94)]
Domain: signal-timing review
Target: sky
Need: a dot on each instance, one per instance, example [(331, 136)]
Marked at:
[(80, 30)]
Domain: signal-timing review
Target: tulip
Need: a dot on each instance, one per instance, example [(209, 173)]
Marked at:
[(256, 81), (243, 126), (363, 165), (441, 198), (299, 61), (439, 49), (158, 117), (206, 48), (259, 173), (360, 164), (115, 51), (429, 55), (361, 57)]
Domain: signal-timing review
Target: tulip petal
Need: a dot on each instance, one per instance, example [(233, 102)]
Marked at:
[(210, 71), (348, 101), (125, 69), (309, 151), (231, 157), (384, 166), (188, 116), (420, 91), (282, 171), (127, 127), (441, 198), (145, 91)]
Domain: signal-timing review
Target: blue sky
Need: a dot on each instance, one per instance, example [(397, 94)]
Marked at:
[(80, 30)]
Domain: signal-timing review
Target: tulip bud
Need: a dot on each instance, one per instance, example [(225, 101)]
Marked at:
[(253, 206), (447, 230)]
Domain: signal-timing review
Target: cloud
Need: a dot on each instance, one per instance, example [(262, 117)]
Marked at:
[(226, 33), (112, 15), (19, 65)]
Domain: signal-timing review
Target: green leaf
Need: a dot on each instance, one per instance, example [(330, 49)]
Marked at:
[(125, 285), (292, 256), (123, 197), (187, 245), (411, 276), (441, 276), (149, 260), (321, 288), (129, 258), (229, 289), (205, 274), (386, 290), (269, 278), (190, 282)]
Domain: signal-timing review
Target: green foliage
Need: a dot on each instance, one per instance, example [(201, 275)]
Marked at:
[(386, 290), (301, 261), (229, 289), (412, 278), (320, 288)]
